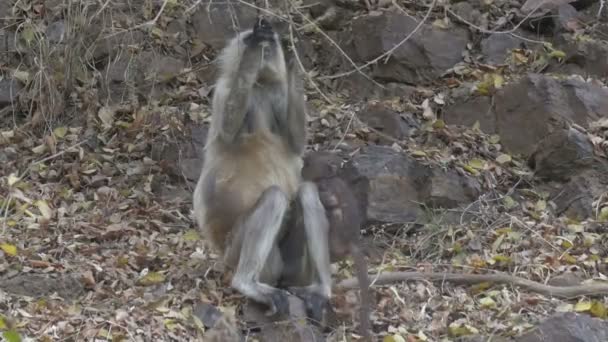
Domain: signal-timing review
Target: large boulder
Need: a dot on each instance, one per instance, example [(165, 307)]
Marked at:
[(391, 186), (526, 111), (422, 58)]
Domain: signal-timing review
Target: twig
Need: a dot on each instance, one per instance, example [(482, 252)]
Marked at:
[(564, 292)]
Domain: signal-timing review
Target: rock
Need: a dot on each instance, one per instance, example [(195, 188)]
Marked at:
[(207, 313), (382, 118), (183, 157), (561, 155), (566, 19), (55, 32), (33, 285), (568, 327), (590, 56), (357, 87), (109, 45), (496, 47), (214, 24), (224, 330), (9, 90), (566, 279), (449, 189), (575, 198), (465, 10), (424, 57), (293, 327), (5, 12), (528, 110), (317, 7), (390, 185), (467, 112), (384, 182)]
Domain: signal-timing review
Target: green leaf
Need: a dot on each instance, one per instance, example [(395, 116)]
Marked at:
[(11, 336)]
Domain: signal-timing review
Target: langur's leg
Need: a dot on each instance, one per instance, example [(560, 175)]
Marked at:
[(316, 225), (260, 230)]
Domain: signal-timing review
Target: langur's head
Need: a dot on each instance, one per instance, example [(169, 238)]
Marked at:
[(319, 165), (272, 60)]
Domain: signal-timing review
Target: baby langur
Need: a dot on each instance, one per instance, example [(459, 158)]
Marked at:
[(251, 172), (345, 221)]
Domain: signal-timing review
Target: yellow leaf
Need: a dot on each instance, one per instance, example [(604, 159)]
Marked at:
[(60, 132), (477, 288), (603, 216), (438, 124), (191, 235), (12, 179), (393, 338), (494, 139), (45, 210), (582, 306), (558, 54), (152, 278), (566, 244), (476, 164), (487, 303), (9, 249), (476, 125), (503, 158), (460, 330), (503, 231), (470, 169), (540, 205), (498, 81), (598, 309), (418, 153), (501, 258), (576, 228), (3, 325), (170, 324), (28, 34), (39, 149), (22, 76), (509, 202), (569, 259)]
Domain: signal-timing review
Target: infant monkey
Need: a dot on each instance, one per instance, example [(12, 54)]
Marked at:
[(345, 220)]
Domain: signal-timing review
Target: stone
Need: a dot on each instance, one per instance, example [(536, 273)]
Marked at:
[(392, 187), (423, 58), (496, 47), (382, 118), (568, 327), (562, 154), (9, 90), (216, 23)]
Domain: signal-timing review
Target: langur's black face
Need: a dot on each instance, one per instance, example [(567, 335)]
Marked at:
[(273, 64)]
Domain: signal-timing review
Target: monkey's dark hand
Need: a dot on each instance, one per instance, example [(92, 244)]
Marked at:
[(317, 305), (279, 303), (262, 30)]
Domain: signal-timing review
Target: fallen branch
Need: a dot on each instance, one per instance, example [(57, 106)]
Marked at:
[(564, 292)]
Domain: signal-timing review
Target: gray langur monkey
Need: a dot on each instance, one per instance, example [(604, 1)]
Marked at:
[(251, 171)]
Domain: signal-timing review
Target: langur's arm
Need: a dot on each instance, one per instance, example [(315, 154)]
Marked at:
[(296, 113), (232, 93)]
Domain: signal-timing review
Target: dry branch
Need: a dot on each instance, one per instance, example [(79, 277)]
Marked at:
[(564, 292)]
